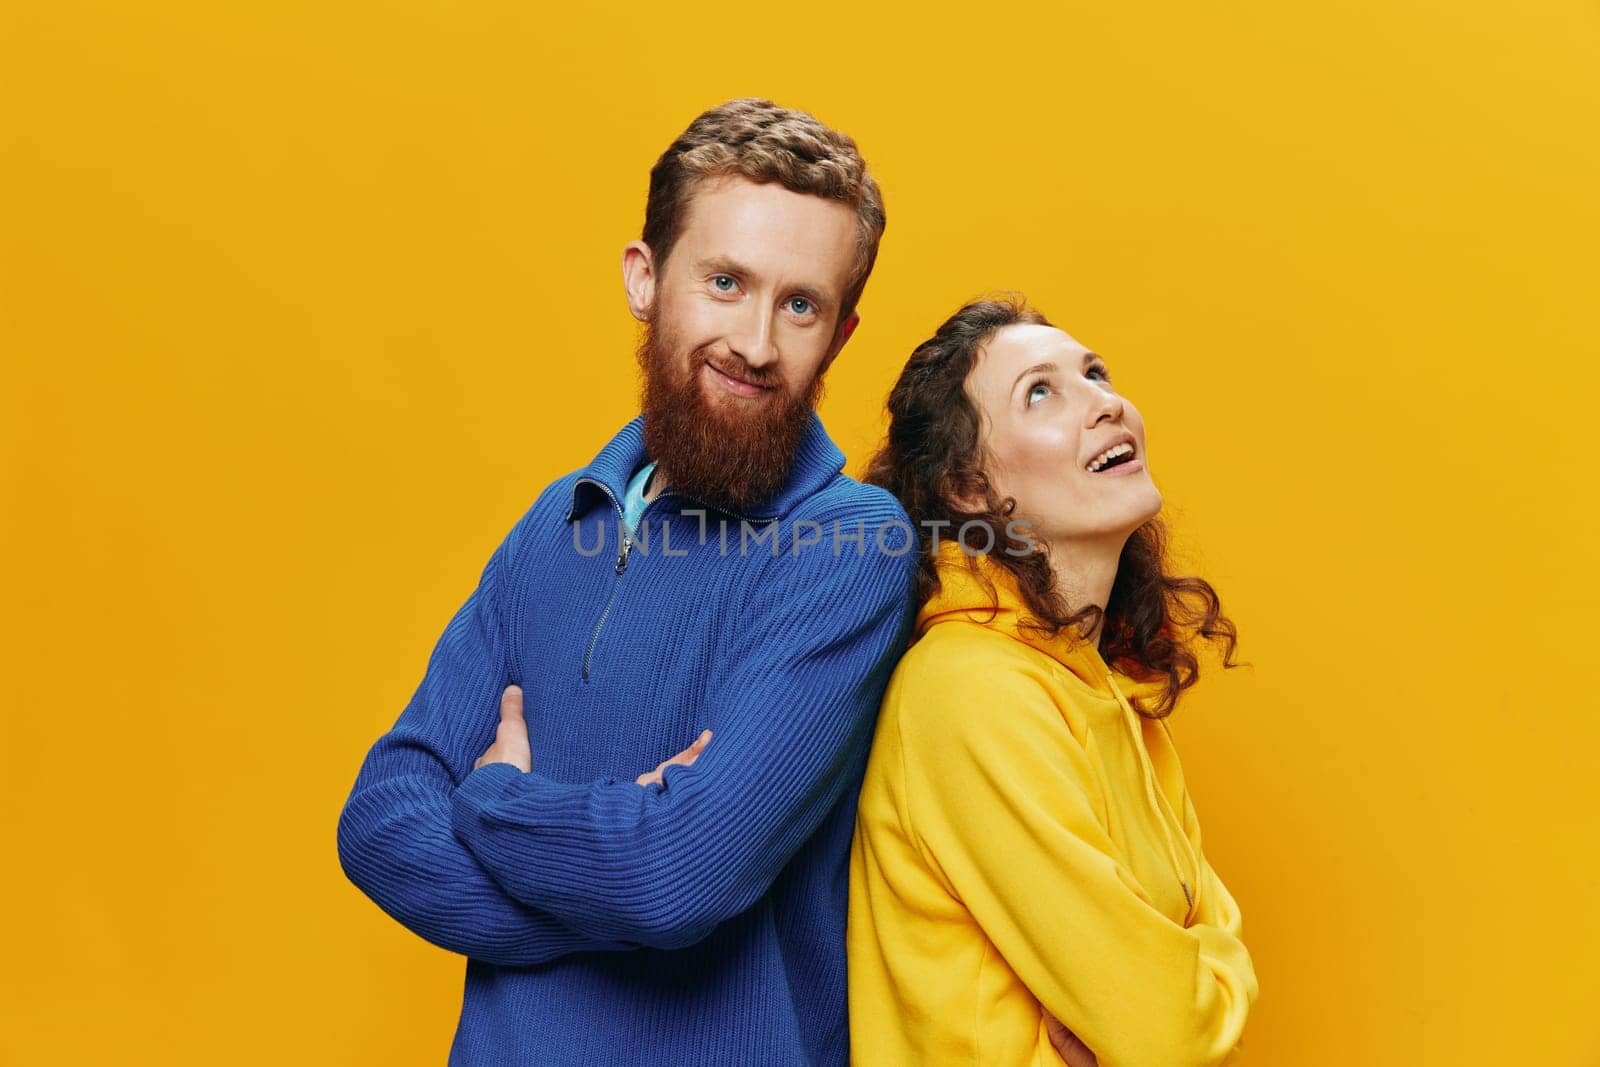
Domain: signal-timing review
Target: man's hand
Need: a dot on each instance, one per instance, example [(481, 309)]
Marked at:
[(511, 738), (511, 742), (1073, 1053), (685, 758)]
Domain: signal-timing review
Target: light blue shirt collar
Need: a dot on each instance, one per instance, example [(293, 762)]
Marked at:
[(633, 500)]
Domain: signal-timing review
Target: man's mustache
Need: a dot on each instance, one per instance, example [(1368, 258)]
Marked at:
[(739, 370)]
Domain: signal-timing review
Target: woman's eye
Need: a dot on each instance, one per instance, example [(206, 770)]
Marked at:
[(1034, 387), (799, 305), (1105, 375), (722, 283)]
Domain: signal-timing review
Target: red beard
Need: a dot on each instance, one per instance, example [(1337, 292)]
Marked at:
[(730, 453)]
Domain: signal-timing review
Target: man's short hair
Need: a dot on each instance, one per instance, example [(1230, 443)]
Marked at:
[(758, 140)]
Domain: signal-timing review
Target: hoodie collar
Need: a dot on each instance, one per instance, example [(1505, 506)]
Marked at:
[(816, 462), (963, 594)]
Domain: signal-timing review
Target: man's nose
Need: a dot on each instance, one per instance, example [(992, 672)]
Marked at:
[(751, 339)]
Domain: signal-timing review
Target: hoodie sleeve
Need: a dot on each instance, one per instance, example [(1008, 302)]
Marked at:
[(1000, 795), (1217, 905)]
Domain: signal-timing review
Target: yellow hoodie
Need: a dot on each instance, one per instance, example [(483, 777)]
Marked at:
[(1019, 847)]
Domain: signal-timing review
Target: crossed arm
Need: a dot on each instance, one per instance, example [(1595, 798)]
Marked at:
[(493, 860), (792, 718), (1076, 927), (511, 744), (394, 836)]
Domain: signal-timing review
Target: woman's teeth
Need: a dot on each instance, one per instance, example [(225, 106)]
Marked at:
[(1104, 458)]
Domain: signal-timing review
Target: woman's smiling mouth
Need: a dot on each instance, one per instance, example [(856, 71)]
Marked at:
[(1119, 456)]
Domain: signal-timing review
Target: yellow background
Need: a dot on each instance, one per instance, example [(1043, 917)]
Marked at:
[(303, 303)]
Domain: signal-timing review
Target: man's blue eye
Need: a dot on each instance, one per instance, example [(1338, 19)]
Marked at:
[(719, 279), (799, 305)]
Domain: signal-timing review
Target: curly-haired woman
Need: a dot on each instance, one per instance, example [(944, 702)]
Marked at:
[(1027, 881)]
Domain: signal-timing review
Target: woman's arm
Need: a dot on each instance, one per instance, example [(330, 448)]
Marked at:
[(1217, 905), (998, 793)]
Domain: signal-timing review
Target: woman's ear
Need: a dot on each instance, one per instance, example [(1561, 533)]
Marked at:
[(639, 278)]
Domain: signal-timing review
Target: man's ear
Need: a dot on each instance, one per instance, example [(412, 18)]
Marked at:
[(639, 278), (840, 336)]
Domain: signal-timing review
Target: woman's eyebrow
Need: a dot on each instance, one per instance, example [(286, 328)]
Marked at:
[(1031, 370), (1088, 358)]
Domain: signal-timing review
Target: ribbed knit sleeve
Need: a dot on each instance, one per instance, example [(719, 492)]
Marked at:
[(394, 835), (998, 794), (809, 657)]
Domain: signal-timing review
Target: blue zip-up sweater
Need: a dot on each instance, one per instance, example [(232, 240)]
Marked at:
[(699, 921)]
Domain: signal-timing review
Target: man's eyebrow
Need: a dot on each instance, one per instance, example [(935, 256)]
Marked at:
[(818, 299), (724, 265)]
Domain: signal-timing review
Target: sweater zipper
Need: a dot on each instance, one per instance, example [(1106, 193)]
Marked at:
[(621, 564), (627, 546)]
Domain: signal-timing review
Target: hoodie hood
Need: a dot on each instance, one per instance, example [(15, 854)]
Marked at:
[(965, 594)]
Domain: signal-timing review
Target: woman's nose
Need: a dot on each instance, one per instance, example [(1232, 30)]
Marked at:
[(1103, 404)]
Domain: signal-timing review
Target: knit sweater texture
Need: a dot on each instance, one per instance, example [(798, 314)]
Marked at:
[(696, 921)]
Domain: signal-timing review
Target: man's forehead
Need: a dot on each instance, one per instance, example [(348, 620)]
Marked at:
[(767, 229)]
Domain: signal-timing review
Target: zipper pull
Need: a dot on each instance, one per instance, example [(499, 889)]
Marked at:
[(622, 560)]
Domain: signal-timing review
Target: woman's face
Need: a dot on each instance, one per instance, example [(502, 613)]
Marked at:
[(1049, 415)]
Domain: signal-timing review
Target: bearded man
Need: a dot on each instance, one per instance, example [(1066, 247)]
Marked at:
[(711, 578)]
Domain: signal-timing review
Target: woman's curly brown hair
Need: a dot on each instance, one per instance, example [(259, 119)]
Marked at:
[(934, 457)]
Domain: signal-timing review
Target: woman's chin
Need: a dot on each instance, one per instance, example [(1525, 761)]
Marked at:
[(1152, 503), (1138, 506), (1131, 500)]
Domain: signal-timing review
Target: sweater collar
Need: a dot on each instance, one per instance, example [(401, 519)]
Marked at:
[(816, 462)]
